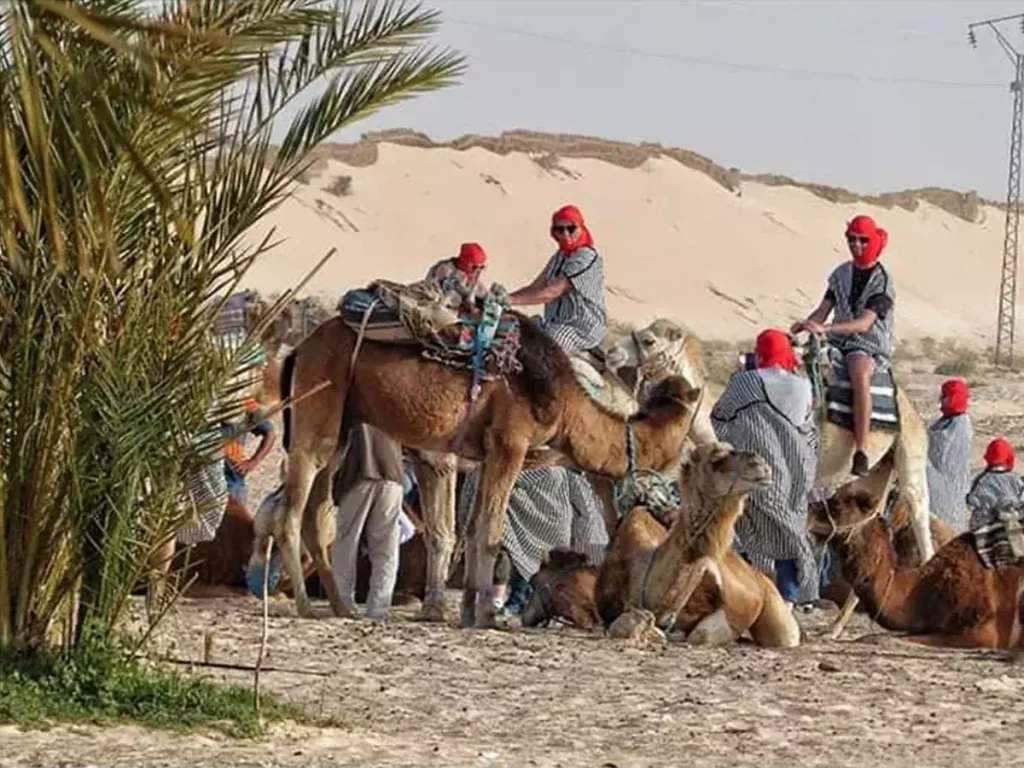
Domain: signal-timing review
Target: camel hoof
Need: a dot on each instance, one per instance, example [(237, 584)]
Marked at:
[(432, 611), (487, 620), (346, 611)]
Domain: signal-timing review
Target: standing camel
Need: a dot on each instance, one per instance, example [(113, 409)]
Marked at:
[(425, 406), (663, 348)]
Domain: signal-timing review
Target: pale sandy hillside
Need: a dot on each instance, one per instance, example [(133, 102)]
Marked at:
[(681, 237)]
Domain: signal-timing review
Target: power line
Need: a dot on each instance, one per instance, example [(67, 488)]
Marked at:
[(723, 64)]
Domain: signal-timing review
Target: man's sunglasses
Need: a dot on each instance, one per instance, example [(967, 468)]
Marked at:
[(858, 239), (559, 229)]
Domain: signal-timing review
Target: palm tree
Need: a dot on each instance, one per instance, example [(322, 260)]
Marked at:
[(135, 153)]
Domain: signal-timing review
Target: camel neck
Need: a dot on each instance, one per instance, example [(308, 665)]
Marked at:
[(595, 439), (869, 563)]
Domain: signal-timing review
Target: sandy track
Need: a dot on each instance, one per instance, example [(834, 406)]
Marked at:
[(406, 693)]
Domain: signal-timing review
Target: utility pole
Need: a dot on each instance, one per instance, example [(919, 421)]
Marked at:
[(1008, 280)]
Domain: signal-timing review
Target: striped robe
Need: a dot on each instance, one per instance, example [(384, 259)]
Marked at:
[(548, 508), (768, 412), (949, 479), (578, 320), (990, 489), (207, 500)]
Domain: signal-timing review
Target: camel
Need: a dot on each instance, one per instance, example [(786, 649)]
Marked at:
[(904, 545), (695, 582), (662, 348), (542, 406), (951, 600), (665, 348)]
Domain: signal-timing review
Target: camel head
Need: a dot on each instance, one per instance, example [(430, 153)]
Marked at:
[(718, 471), (853, 504), (563, 589), (660, 349), (668, 413)]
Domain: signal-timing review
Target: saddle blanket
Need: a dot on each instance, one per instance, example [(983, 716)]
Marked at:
[(839, 400), (486, 341), (1001, 542)]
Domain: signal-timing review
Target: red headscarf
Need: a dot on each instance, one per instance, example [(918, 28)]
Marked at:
[(471, 256), (955, 397), (774, 348), (1000, 454), (864, 226), (568, 243)]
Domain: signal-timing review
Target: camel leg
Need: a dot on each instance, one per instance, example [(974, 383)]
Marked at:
[(914, 487), (775, 626), (318, 532), (713, 630), (984, 636), (302, 472), (498, 474), (437, 479), (844, 616), (467, 615)]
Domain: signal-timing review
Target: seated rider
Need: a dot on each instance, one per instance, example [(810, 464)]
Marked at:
[(571, 286), (861, 294), (997, 484), (460, 277)]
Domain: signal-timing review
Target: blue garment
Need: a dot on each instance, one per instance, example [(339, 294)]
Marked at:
[(787, 579)]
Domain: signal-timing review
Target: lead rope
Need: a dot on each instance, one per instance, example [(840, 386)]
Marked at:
[(359, 339)]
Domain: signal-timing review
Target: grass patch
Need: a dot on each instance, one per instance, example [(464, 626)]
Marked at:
[(958, 361), (105, 687), (721, 359)]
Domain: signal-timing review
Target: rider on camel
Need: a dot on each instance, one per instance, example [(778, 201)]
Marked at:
[(996, 485), (571, 286), (460, 277), (860, 293)]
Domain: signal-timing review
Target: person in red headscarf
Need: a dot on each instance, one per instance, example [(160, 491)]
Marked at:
[(860, 296), (768, 410), (571, 286), (997, 486), (460, 276), (949, 455)]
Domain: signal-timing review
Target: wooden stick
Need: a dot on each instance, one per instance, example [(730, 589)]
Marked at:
[(240, 667), (265, 630)]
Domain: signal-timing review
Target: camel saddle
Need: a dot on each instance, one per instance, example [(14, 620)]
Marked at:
[(483, 338), (885, 414), (1001, 541)]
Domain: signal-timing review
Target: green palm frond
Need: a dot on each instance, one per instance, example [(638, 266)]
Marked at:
[(135, 156)]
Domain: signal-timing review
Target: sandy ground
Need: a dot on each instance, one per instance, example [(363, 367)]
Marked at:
[(406, 693)]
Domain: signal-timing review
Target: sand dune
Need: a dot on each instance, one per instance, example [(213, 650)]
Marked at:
[(676, 241)]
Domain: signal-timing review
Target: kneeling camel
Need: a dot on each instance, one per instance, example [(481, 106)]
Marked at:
[(951, 600), (687, 575)]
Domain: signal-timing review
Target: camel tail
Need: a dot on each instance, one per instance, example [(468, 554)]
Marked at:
[(287, 380)]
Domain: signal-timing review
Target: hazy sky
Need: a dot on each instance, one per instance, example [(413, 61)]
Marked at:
[(869, 94)]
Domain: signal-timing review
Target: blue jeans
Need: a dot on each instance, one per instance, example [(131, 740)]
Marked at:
[(787, 577)]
